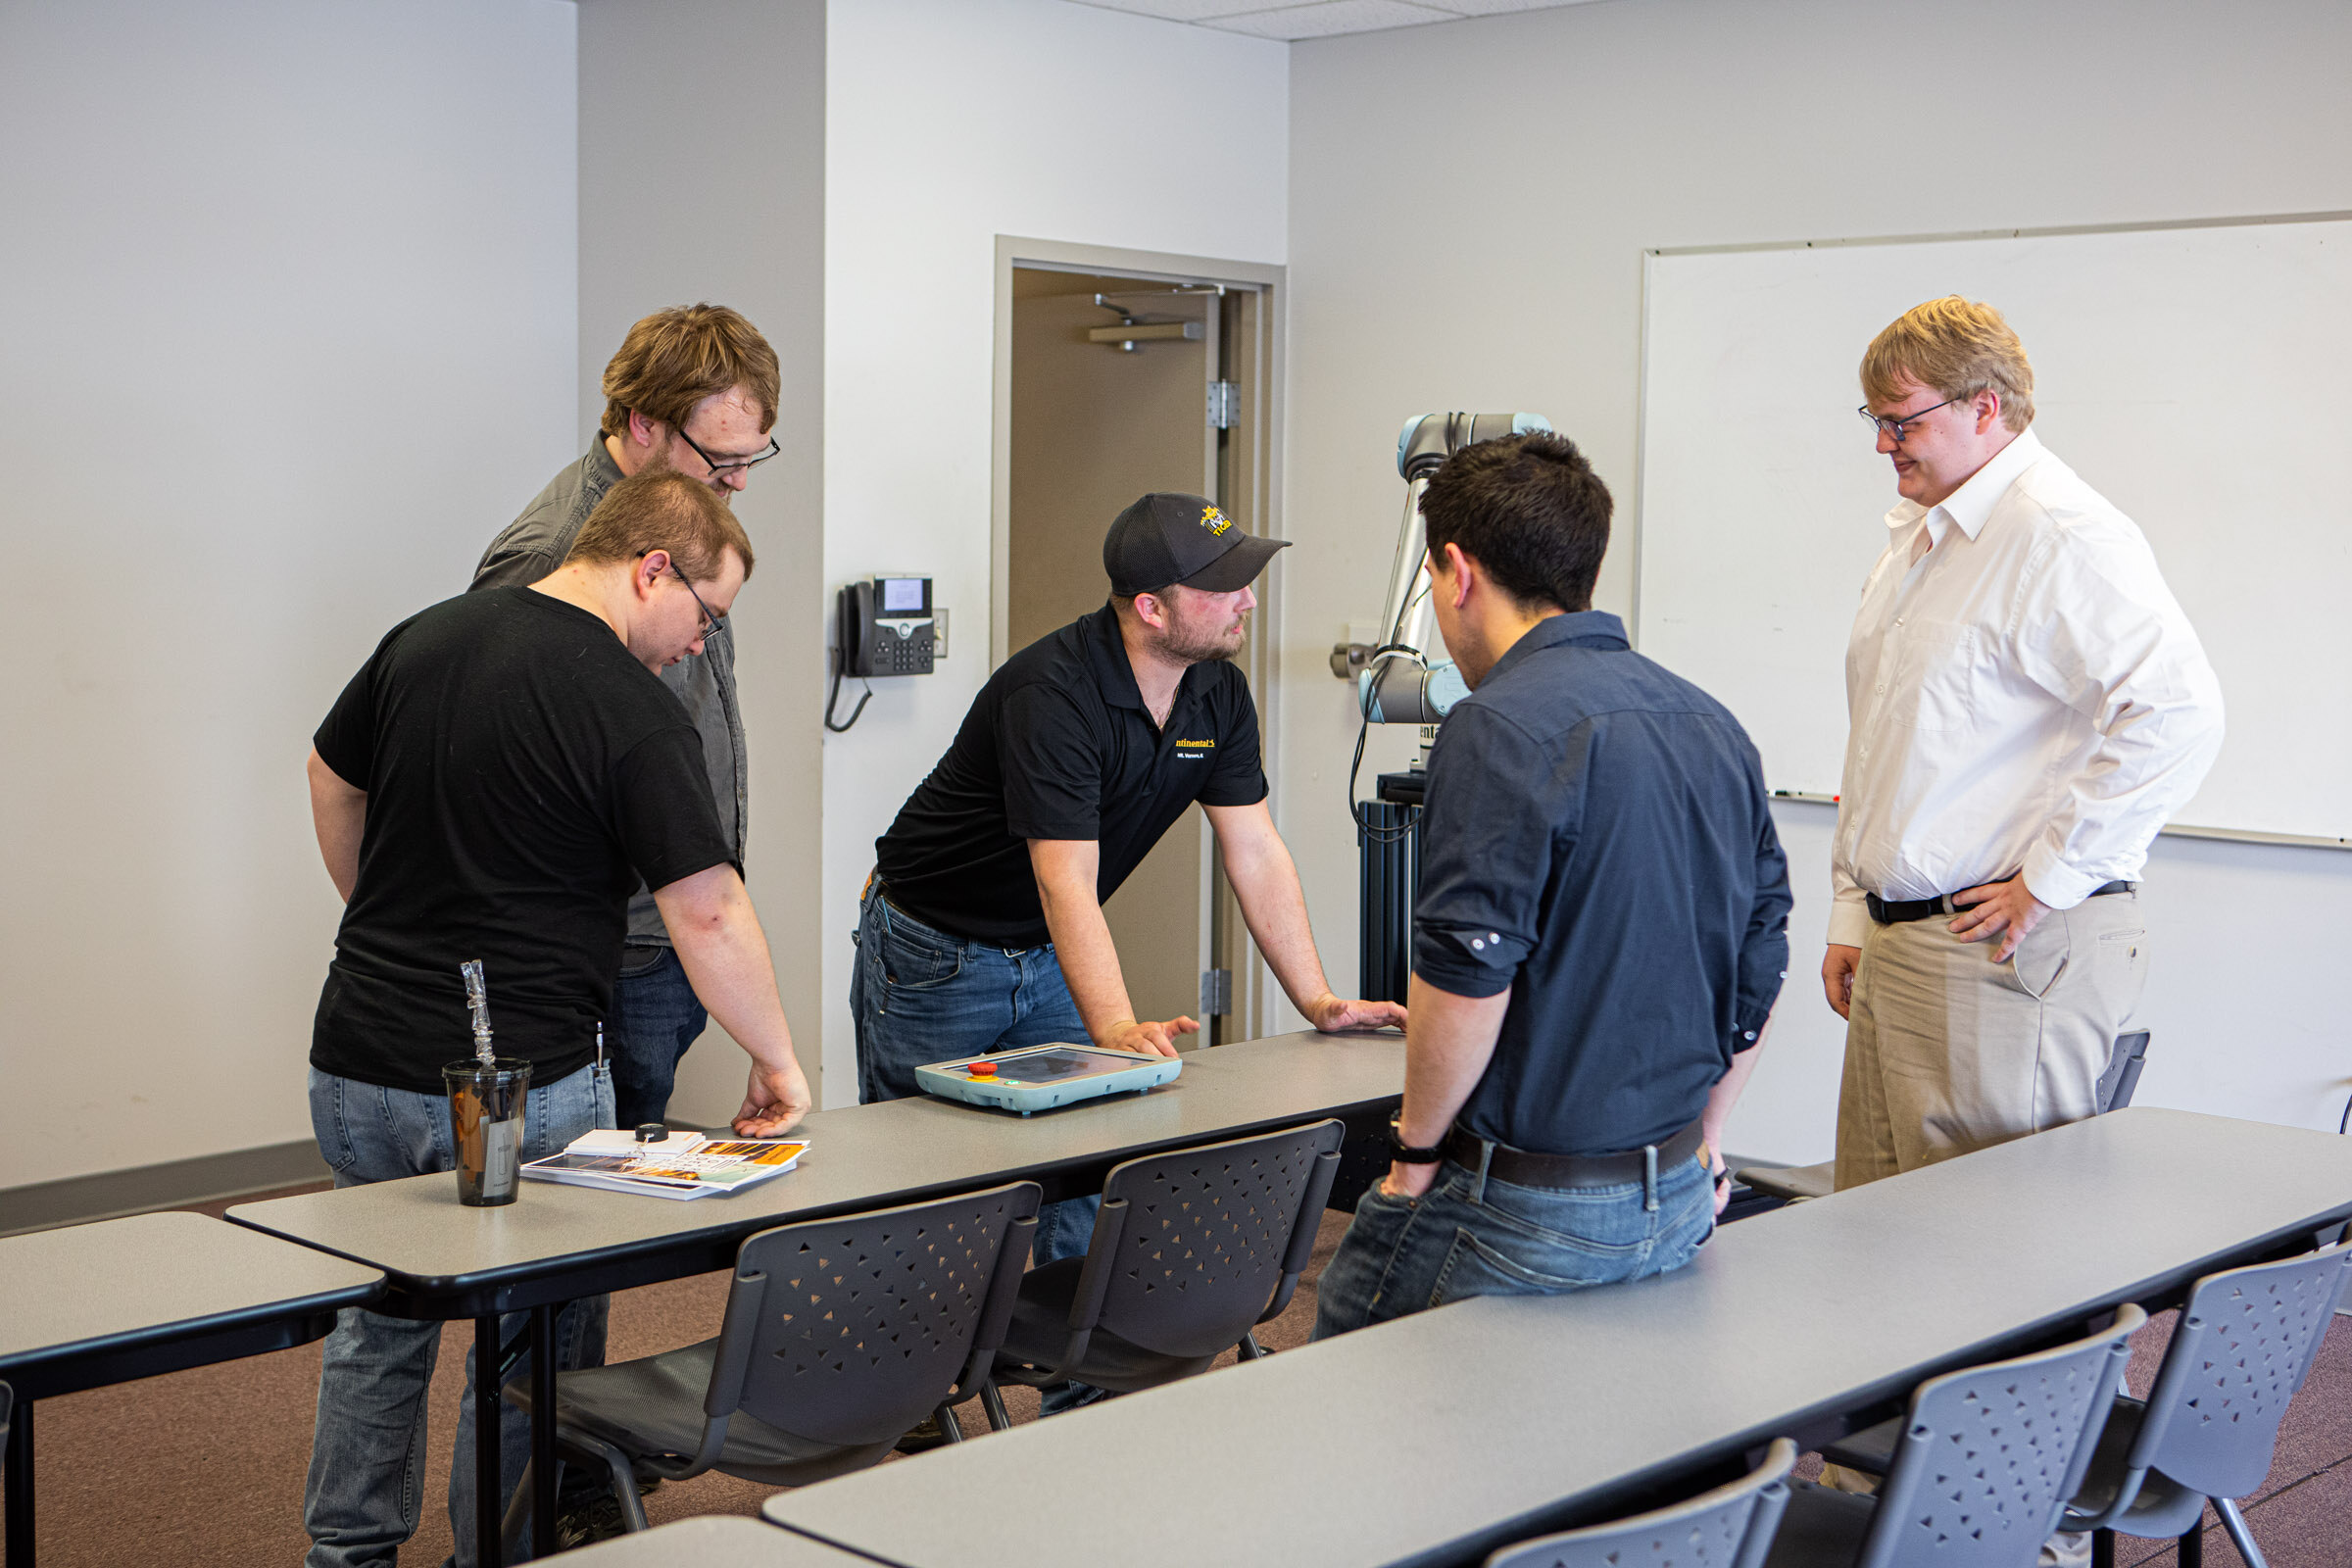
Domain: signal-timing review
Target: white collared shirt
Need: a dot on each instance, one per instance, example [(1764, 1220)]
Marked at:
[(2022, 693)]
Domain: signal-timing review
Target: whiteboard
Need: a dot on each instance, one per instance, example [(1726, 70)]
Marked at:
[(2199, 376)]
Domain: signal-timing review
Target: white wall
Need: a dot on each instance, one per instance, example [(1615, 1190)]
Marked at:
[(288, 324), (948, 124), (1469, 206)]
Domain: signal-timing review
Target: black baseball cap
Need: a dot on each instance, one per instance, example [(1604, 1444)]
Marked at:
[(1170, 537)]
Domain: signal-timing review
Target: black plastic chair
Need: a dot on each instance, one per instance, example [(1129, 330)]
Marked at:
[(1190, 1251), (1791, 1183), (1981, 1468), (840, 1334), (2245, 1341), (1730, 1527)]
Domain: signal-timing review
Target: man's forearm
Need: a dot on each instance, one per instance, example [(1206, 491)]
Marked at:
[(1446, 1049), (1727, 1089), (725, 955), (1089, 960)]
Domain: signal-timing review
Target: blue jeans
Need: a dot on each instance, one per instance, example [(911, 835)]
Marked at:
[(364, 1492), (1404, 1256), (918, 995), (655, 1016)]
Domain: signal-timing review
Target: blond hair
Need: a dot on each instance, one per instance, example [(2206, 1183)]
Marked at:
[(674, 359), (1959, 348), (660, 509)]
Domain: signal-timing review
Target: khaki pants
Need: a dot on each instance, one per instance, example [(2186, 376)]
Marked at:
[(1948, 1051)]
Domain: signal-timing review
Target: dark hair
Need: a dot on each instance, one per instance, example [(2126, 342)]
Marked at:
[(1529, 509), (660, 509)]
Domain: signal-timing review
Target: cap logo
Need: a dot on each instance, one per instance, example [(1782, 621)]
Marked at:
[(1215, 521)]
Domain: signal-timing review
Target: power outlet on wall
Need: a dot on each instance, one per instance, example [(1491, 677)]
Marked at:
[(939, 633)]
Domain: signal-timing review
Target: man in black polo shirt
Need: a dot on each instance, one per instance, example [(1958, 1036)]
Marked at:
[(1599, 936), (983, 927)]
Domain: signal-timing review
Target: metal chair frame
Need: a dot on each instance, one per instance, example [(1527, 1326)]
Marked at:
[(1177, 1270), (833, 1326), (1730, 1527)]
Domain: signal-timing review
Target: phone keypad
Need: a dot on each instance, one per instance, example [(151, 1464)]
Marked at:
[(908, 655)]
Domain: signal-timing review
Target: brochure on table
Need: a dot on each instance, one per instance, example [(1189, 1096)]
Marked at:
[(680, 1165)]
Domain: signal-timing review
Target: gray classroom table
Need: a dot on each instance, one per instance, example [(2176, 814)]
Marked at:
[(1435, 1438), (559, 1243), (85, 1305), (713, 1543)]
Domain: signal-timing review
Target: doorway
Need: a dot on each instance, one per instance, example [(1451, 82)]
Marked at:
[(1119, 374)]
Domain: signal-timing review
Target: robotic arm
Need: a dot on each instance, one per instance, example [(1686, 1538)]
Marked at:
[(1407, 679)]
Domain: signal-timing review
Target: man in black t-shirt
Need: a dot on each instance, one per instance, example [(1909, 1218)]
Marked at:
[(983, 927), (493, 784)]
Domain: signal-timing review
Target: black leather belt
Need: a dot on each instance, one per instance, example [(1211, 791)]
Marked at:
[(1904, 910), (1524, 1168)]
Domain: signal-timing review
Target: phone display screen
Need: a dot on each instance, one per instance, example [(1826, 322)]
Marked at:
[(905, 596)]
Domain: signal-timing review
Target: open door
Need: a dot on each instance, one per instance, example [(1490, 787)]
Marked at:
[(1120, 386)]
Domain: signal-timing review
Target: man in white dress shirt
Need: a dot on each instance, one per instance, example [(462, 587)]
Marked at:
[(2028, 706)]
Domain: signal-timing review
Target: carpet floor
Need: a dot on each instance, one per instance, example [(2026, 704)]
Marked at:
[(205, 1466)]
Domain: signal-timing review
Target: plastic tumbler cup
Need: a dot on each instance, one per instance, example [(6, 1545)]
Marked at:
[(485, 1109)]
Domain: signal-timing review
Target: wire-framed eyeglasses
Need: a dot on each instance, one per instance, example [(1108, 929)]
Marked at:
[(731, 465), (1899, 428)]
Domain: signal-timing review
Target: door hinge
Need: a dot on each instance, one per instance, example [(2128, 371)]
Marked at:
[(1224, 404), (1216, 992)]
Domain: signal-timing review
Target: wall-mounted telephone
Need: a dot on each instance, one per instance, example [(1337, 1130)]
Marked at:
[(884, 627)]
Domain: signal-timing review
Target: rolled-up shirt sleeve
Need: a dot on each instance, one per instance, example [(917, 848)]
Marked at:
[(1494, 823)]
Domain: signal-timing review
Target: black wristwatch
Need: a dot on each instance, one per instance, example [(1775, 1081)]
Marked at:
[(1404, 1153)]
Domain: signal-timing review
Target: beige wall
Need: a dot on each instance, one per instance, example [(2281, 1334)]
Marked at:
[(1469, 204), (702, 178)]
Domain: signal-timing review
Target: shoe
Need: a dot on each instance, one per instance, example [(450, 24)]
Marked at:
[(597, 1518), (1062, 1398), (923, 1437)]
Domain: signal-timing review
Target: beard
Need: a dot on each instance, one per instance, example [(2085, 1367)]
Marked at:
[(1199, 645)]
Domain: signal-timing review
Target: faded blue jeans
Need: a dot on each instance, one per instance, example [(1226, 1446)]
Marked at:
[(655, 1016), (1404, 1256), (918, 995), (365, 1489)]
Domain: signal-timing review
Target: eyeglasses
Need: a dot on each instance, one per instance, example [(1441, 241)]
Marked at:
[(712, 624), (1897, 428), (732, 465)]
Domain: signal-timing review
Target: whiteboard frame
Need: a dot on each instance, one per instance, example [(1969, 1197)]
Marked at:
[(1649, 257)]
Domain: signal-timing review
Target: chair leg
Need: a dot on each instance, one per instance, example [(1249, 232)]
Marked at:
[(2239, 1536), (2193, 1546), (1250, 1348), (2102, 1549), (511, 1532), (623, 1476), (948, 1427), (994, 1402)]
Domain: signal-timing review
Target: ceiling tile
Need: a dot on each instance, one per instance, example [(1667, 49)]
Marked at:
[(1331, 16), (1178, 10), (1496, 8)]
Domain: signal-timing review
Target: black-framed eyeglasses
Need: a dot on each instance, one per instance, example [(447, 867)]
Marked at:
[(712, 624), (732, 465), (1897, 428)]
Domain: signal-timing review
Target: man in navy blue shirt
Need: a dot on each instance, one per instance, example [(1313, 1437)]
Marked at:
[(1599, 936)]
